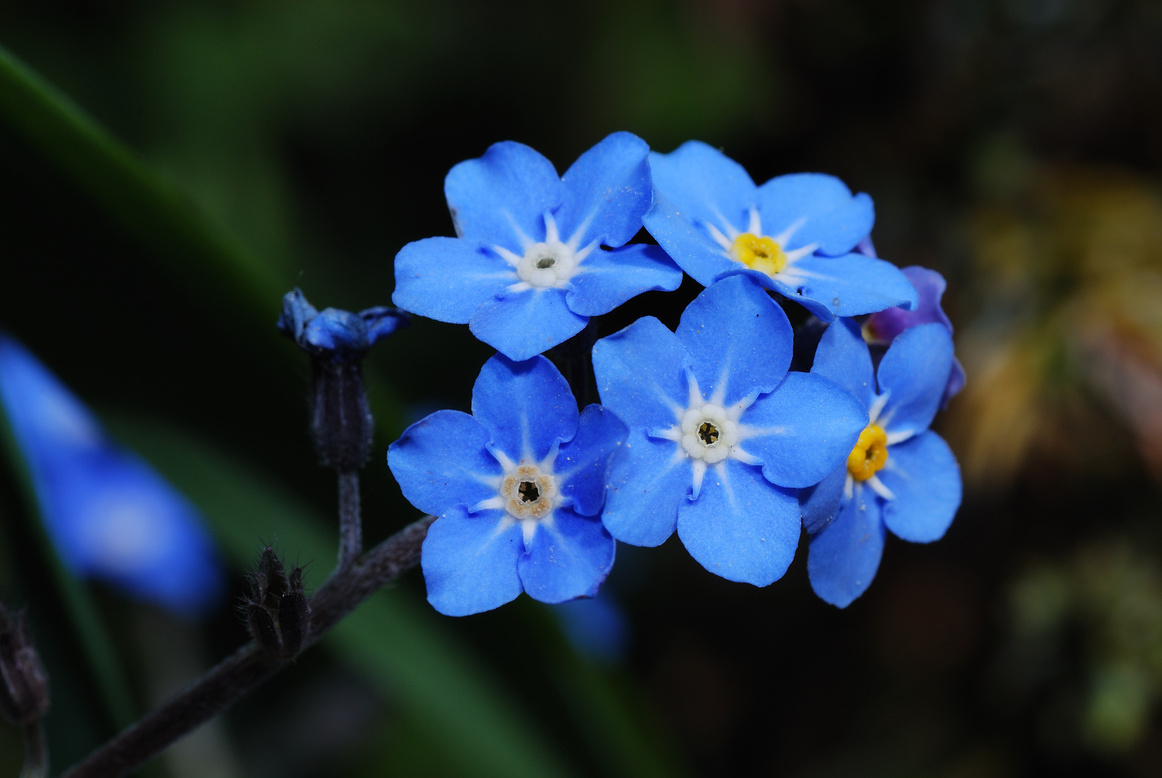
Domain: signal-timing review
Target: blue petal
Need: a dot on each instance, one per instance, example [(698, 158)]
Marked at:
[(108, 513), (381, 321), (569, 558), (606, 279), (115, 518), (820, 502), (914, 373), (526, 406), (442, 461), (738, 338), (470, 562), (648, 480), (924, 478), (607, 190), (46, 419), (690, 246), (832, 217), (448, 279), (582, 464), (929, 285), (955, 383), (803, 430), (296, 312), (842, 559), (846, 286), (641, 374), (502, 197), (528, 323), (843, 356), (741, 527), (340, 332), (704, 185), (598, 628)]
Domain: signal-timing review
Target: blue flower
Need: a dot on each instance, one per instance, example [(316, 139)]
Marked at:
[(795, 234), (108, 513), (517, 487), (882, 328), (527, 268), (900, 476), (721, 434), (336, 335)]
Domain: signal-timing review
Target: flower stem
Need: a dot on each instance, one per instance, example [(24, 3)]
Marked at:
[(35, 752), (249, 666), (350, 519)]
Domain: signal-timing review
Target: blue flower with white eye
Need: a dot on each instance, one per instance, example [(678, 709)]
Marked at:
[(795, 234), (108, 513), (900, 476), (528, 266), (518, 488), (721, 433)]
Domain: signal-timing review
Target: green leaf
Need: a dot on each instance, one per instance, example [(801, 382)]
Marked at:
[(397, 644)]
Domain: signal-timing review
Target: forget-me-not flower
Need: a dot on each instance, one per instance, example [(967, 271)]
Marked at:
[(721, 434), (795, 234), (518, 488), (900, 476), (528, 266), (108, 513)]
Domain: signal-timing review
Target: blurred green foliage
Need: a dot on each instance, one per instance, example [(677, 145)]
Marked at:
[(249, 146)]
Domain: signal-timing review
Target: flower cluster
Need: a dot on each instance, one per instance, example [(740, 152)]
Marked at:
[(704, 430)]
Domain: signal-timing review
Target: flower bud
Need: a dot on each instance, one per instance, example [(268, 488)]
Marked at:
[(277, 615)]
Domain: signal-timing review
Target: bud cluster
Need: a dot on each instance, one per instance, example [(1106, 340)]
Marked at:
[(277, 614)]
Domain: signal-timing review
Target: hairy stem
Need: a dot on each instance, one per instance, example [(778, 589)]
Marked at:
[(249, 666), (350, 519), (35, 752)]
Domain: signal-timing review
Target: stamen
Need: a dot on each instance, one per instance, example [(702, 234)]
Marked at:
[(529, 493), (759, 253), (870, 453)]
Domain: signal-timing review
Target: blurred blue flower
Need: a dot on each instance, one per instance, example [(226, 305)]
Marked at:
[(596, 627), (900, 476), (721, 434), (108, 513), (796, 234), (882, 328), (336, 335), (528, 268), (517, 487)]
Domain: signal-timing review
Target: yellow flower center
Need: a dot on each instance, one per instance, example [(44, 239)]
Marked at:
[(870, 453), (759, 253)]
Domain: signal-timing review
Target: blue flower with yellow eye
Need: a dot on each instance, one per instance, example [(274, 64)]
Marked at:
[(900, 476), (109, 514), (795, 234), (518, 488), (537, 254), (721, 433)]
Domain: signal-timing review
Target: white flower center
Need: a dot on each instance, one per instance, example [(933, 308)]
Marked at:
[(548, 264), (529, 492), (708, 433)]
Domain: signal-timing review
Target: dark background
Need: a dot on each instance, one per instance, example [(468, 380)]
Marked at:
[(1013, 145)]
